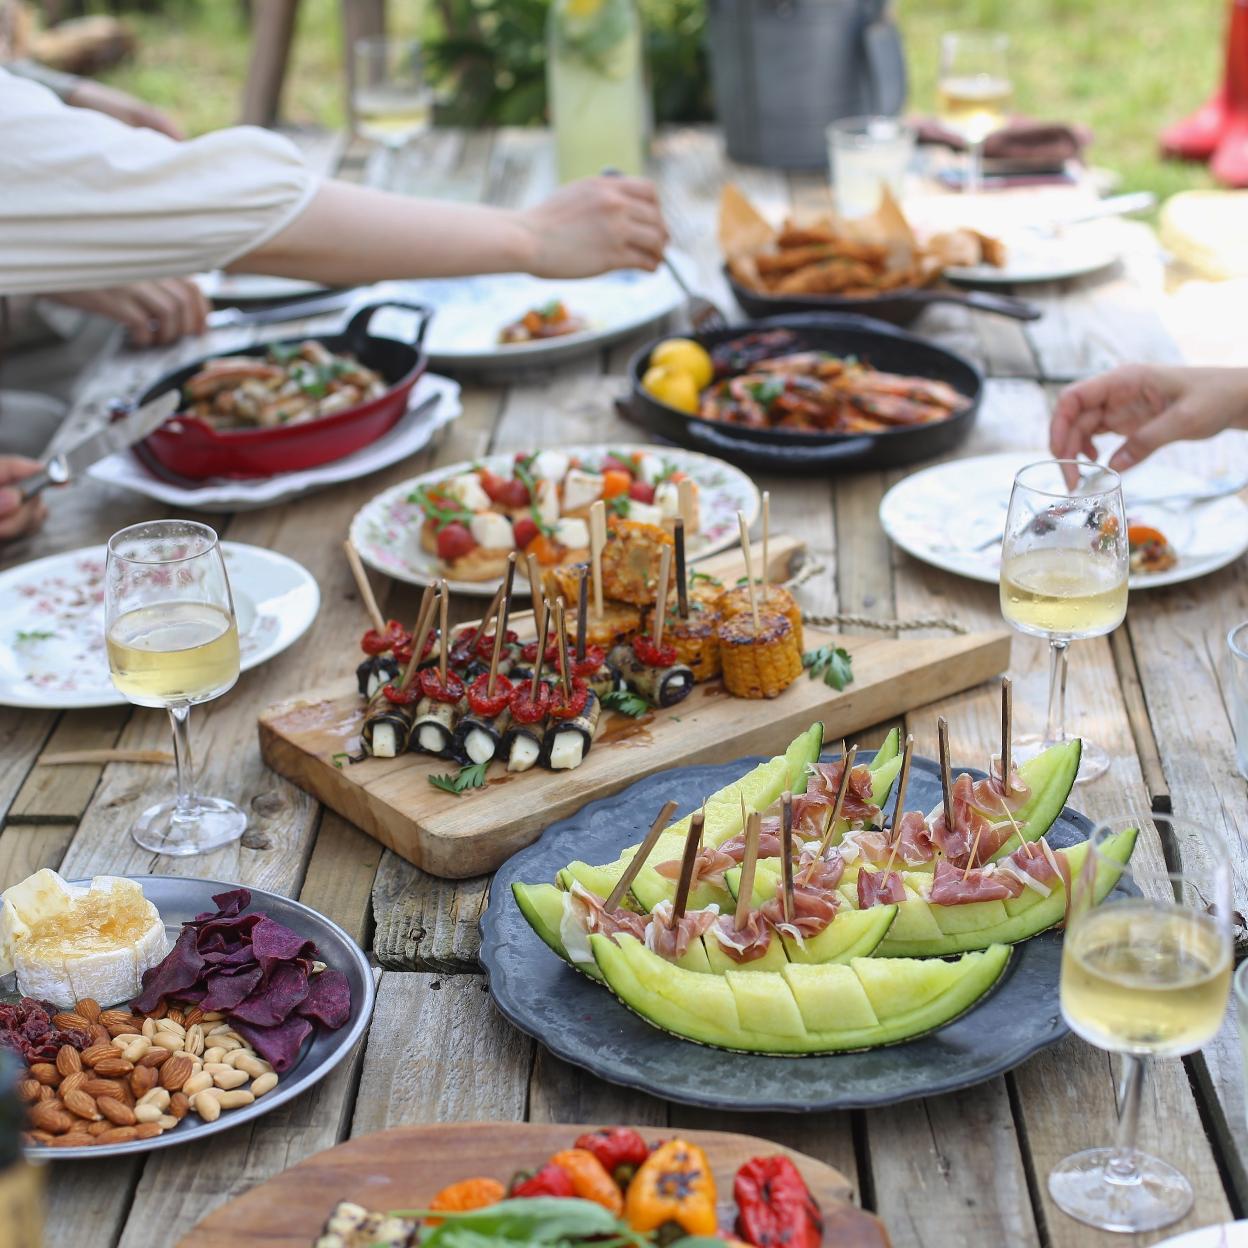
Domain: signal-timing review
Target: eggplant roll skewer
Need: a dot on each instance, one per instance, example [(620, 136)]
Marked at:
[(660, 686), (387, 729), (567, 741), (434, 729), (377, 671)]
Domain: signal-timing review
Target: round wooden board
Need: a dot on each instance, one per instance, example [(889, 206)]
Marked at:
[(403, 1168)]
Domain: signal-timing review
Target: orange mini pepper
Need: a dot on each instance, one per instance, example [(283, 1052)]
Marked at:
[(674, 1187), (467, 1194), (590, 1180), (615, 481)]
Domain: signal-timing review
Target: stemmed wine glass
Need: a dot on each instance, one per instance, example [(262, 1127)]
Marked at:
[(1064, 566), (974, 92), (172, 642), (1145, 973), (390, 97)]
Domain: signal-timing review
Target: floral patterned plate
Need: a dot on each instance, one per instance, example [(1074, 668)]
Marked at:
[(52, 636), (386, 530)]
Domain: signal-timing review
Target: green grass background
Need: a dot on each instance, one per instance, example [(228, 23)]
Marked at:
[(1123, 67)]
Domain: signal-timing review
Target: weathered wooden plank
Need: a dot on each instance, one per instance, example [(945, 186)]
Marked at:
[(339, 878), (438, 1051), (425, 923), (60, 794), (864, 570), (24, 848), (559, 1092), (22, 737)]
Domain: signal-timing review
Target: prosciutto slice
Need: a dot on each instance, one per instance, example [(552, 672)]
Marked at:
[(825, 874), (595, 917), (879, 888), (954, 886), (708, 867), (914, 840), (672, 940), (768, 843), (992, 792), (866, 845), (813, 909), (1037, 867), (858, 807), (971, 830), (747, 944), (810, 813)]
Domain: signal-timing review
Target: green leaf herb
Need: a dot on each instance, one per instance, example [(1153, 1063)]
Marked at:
[(626, 702), (767, 392), (34, 634), (283, 352), (524, 471), (536, 1220), (441, 510), (695, 576), (337, 759), (831, 664), (619, 506), (471, 776)]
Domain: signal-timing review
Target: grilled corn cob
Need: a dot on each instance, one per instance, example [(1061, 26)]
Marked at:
[(618, 619), (759, 664), (696, 639), (736, 601), (630, 560)]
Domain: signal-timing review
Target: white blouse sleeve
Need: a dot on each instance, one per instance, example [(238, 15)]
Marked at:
[(86, 201)]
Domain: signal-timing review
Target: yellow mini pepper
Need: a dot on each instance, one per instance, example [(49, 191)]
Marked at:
[(673, 1188)]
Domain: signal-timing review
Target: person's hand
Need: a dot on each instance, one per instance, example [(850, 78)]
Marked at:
[(124, 107), (1152, 405), (16, 517), (154, 313), (595, 225)]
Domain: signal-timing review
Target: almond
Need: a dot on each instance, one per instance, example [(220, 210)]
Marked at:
[(109, 1067), (72, 1082), (175, 1015), (159, 1012), (46, 1093), (68, 1060), (67, 1020), (155, 1057), (38, 1137), (111, 1017), (179, 1103), (75, 1139), (96, 1053), (99, 1035), (117, 1113), (98, 1128), (81, 1105), (194, 1016), (176, 1071), (119, 1135), (49, 1116), (142, 1080), (89, 1009), (146, 1130), (102, 1087), (46, 1073), (28, 1091)]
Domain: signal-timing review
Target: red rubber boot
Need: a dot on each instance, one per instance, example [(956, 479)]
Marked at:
[(1230, 158), (1197, 137)]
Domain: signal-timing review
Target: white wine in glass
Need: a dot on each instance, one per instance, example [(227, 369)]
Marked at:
[(1146, 973), (974, 91), (391, 98), (1064, 565), (172, 641)]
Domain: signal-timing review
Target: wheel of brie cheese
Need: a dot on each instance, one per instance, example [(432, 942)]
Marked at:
[(70, 941)]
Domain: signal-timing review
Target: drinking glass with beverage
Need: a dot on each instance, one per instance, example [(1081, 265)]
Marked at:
[(1064, 566), (974, 92), (390, 97), (865, 155), (1237, 643), (172, 641), (1146, 973)]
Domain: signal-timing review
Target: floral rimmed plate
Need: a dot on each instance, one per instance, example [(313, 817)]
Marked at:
[(386, 530), (52, 654)]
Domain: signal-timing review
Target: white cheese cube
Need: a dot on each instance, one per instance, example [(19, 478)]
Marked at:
[(581, 488), (644, 513), (573, 533), (649, 467), (467, 490), (492, 531), (667, 500), (551, 465), (547, 503)]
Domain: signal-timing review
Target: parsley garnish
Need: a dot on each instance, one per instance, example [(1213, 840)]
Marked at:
[(34, 634), (442, 511), (695, 576), (283, 352), (619, 506), (626, 702), (767, 392), (337, 759), (524, 471), (831, 664), (471, 776)]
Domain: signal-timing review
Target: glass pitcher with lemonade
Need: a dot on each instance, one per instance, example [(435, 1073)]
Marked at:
[(595, 78)]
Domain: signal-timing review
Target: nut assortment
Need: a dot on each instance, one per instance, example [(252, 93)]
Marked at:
[(139, 1075)]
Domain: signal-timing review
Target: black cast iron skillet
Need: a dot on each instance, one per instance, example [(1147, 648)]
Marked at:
[(900, 307), (883, 346)]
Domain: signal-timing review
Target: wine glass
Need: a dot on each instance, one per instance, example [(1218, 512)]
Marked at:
[(974, 92), (390, 96), (1064, 575), (173, 641), (1147, 972)]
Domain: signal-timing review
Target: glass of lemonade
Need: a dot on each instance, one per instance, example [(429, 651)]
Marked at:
[(1064, 575), (865, 155), (974, 92), (1146, 973), (390, 96), (172, 642)]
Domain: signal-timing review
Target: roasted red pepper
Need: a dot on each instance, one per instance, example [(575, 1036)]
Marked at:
[(775, 1206), (485, 704), (620, 1149), (529, 652), (595, 657), (431, 685), (374, 642), (401, 697), (485, 644), (569, 705), (529, 710), (652, 655), (550, 1180)]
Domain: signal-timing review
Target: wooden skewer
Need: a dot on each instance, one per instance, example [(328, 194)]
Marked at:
[(582, 615), (362, 584), (424, 622), (946, 780), (660, 598), (1007, 714), (899, 809), (745, 894), (638, 860), (970, 860), (842, 789), (492, 610), (76, 758), (744, 816), (535, 580), (684, 502), (500, 623), (749, 570), (693, 842), (766, 540), (1018, 832), (786, 853), (597, 541), (444, 652), (682, 576), (565, 667), (543, 624)]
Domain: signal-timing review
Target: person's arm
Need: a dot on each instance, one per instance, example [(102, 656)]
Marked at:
[(351, 234), (1152, 406), (153, 314), (87, 93), (16, 517)]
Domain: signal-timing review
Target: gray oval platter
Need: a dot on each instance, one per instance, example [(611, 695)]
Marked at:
[(179, 899), (581, 1022)]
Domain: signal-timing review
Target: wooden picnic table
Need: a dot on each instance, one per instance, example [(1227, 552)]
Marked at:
[(969, 1168)]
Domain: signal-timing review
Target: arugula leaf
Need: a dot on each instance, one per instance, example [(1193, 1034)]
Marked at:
[(34, 634), (832, 664), (524, 471), (619, 506), (695, 576), (337, 759), (767, 392), (442, 511), (537, 1220), (626, 702), (470, 776), (283, 352)]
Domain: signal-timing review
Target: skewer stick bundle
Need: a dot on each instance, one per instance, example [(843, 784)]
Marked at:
[(500, 622), (638, 860), (900, 808), (582, 615), (766, 540), (748, 556), (1007, 714), (561, 642), (597, 542), (365, 588), (444, 651), (684, 502), (745, 894), (946, 779), (829, 831), (424, 622), (786, 853), (543, 622), (660, 599), (682, 576), (693, 842)]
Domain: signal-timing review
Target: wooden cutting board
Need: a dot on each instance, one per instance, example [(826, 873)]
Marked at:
[(308, 739), (402, 1168)]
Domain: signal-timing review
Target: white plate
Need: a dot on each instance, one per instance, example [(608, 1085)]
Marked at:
[(275, 600), (1227, 1235), (410, 435), (470, 312), (1032, 257), (254, 287), (386, 529), (940, 515)]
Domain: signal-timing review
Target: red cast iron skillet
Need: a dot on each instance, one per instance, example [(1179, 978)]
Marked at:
[(189, 447)]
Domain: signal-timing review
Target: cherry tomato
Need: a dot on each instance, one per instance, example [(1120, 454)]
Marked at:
[(374, 642), (570, 705), (401, 697), (454, 541), (431, 685), (652, 655), (527, 710), (528, 652), (641, 492), (615, 481), (486, 704), (594, 658), (524, 530), (613, 463)]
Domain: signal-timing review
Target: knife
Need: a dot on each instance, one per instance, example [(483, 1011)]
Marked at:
[(293, 310), (115, 436)]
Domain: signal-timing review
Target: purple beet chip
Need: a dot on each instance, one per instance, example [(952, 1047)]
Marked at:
[(226, 991), (280, 1045), (275, 998), (272, 941), (328, 1000), (180, 969)]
